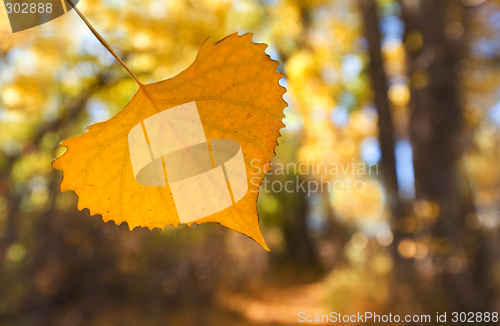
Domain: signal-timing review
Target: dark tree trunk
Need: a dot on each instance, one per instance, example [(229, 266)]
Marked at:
[(299, 247), (386, 128), (380, 90), (436, 134)]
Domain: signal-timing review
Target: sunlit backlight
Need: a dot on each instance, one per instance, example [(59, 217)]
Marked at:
[(407, 248), (82, 5), (426, 209), (157, 10), (102, 21), (141, 40), (382, 264), (359, 240), (15, 252), (399, 94), (198, 3), (211, 22), (347, 147), (421, 251), (384, 237), (10, 97)]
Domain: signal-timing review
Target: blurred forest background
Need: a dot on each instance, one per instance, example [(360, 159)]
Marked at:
[(411, 85)]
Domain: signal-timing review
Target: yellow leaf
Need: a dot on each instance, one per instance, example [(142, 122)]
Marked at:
[(235, 87)]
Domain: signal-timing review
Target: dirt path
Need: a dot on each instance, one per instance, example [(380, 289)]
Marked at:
[(276, 304)]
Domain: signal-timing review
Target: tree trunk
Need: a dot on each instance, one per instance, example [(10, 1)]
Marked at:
[(436, 133), (386, 131)]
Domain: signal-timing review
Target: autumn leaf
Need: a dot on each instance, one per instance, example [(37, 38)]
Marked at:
[(234, 84)]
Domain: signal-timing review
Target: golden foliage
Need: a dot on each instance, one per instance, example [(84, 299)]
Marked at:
[(235, 86)]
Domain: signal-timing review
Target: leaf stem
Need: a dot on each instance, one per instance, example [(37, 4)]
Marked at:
[(104, 42)]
